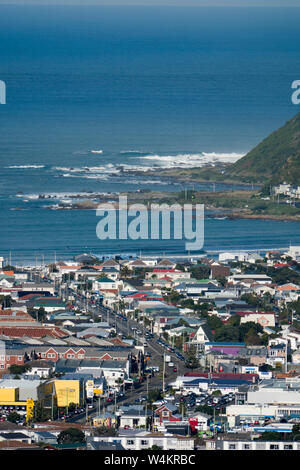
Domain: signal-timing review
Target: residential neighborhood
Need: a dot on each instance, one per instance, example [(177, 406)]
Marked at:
[(188, 354)]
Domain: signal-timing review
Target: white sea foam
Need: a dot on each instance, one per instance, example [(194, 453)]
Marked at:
[(92, 176), (25, 166), (149, 163), (131, 151), (28, 196), (192, 160), (62, 196)]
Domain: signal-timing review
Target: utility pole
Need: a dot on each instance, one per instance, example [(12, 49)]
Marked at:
[(164, 366), (52, 400), (67, 401), (147, 386)]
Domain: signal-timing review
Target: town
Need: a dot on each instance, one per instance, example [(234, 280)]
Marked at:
[(135, 353)]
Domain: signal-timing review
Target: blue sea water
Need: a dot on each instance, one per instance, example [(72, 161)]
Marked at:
[(149, 86)]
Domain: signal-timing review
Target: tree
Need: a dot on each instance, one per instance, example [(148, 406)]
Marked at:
[(270, 436), (200, 271), (153, 395), (72, 407), (5, 301), (187, 303), (18, 369), (192, 361), (207, 410), (13, 417), (217, 393), (226, 333), (105, 431), (70, 436), (214, 322), (235, 320)]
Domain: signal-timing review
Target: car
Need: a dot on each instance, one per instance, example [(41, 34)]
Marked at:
[(126, 427), (174, 369)]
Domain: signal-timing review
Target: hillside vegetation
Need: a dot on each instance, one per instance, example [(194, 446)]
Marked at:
[(275, 159)]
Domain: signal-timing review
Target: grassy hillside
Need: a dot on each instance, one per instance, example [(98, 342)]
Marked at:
[(275, 159)]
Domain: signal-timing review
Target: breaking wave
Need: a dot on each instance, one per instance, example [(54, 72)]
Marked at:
[(25, 166)]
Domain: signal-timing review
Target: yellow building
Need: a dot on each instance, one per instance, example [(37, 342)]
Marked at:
[(9, 400), (61, 392), (9, 394)]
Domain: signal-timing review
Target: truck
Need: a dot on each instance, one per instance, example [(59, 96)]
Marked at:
[(167, 358)]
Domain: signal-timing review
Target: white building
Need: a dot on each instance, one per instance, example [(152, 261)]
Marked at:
[(251, 445), (255, 278), (140, 440), (294, 252)]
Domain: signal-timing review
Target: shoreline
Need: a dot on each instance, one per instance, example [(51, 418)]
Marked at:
[(218, 215)]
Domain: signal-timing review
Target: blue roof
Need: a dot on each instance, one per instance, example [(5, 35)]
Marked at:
[(223, 382)]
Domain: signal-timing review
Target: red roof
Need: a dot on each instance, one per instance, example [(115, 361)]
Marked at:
[(30, 296), (245, 314), (13, 315), (32, 331), (165, 270)]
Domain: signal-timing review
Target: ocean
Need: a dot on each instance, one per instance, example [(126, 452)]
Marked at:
[(93, 92)]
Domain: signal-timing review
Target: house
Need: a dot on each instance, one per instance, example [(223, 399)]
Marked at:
[(265, 319), (49, 304), (136, 264), (166, 412), (219, 270), (202, 336), (105, 283), (115, 372), (134, 418), (252, 278), (294, 252), (111, 263), (166, 263), (232, 256), (199, 422), (142, 440), (41, 369), (277, 354), (15, 436)]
